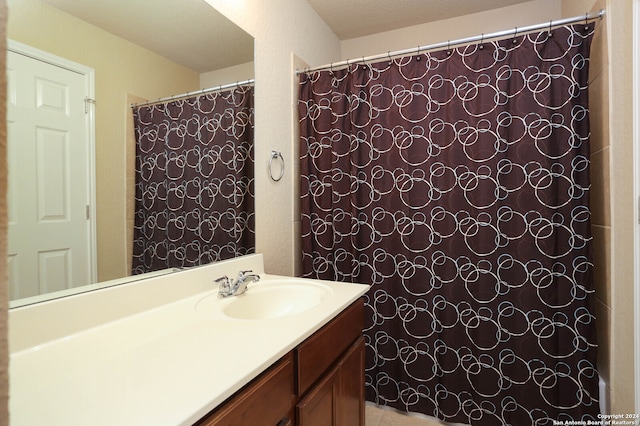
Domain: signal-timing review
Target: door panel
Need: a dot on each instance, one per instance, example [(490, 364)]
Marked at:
[(52, 185)]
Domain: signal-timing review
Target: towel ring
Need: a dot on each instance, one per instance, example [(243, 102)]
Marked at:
[(276, 154)]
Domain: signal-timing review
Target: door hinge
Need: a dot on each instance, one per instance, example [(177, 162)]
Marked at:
[(88, 212), (87, 101)]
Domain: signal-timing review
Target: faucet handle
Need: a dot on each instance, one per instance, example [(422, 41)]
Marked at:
[(224, 283), (243, 273)]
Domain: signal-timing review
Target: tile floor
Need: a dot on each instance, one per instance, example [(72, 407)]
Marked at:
[(375, 416)]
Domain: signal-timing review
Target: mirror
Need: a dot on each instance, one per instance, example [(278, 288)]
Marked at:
[(140, 50)]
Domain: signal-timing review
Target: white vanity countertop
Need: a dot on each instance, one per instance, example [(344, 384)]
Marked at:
[(168, 364)]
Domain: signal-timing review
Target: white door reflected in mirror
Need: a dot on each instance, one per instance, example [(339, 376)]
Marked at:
[(50, 240)]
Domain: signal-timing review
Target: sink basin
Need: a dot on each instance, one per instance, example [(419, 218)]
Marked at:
[(265, 300)]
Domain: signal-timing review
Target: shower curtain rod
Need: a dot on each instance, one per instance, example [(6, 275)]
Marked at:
[(196, 92), (586, 17)]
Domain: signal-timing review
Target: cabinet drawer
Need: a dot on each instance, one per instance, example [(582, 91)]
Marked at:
[(320, 351), (267, 400)]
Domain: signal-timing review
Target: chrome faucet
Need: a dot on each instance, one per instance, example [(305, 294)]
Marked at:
[(227, 288)]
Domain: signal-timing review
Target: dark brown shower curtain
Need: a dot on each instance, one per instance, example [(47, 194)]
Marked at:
[(456, 183), (194, 181)]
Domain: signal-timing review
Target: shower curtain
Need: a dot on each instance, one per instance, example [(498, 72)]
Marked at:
[(194, 181), (456, 183)]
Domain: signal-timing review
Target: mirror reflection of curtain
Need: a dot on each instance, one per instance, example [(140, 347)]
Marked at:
[(456, 183), (194, 181)]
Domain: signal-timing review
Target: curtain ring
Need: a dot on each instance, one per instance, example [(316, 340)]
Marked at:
[(418, 56), (481, 46), (389, 56), (276, 154), (550, 33), (515, 36), (449, 48)]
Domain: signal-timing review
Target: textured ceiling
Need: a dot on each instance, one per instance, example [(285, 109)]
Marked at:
[(356, 18), (189, 32)]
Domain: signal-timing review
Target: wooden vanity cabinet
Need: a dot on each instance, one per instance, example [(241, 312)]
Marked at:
[(320, 382)]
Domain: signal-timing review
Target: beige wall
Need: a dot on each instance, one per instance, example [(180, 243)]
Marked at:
[(121, 69)]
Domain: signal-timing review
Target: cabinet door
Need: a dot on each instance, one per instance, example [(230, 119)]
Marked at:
[(318, 408), (350, 403), (338, 400)]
